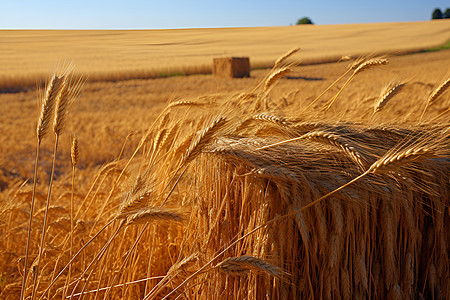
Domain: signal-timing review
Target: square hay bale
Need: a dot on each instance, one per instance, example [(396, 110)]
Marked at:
[(231, 67)]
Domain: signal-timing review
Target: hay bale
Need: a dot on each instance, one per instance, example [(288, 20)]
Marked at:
[(231, 67)]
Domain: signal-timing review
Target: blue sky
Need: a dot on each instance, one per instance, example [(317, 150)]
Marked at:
[(141, 14)]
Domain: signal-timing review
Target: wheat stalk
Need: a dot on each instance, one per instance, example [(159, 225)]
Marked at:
[(285, 56), (266, 117), (435, 95), (48, 104), (386, 94), (184, 103), (337, 141), (75, 157), (396, 160), (152, 214), (242, 264), (47, 108), (68, 92), (439, 91), (368, 64), (74, 154), (202, 139), (275, 77), (158, 139)]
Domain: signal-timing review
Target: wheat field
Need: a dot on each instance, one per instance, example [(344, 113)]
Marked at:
[(290, 184), (28, 55)]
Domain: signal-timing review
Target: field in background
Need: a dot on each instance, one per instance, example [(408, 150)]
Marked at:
[(351, 251), (115, 55)]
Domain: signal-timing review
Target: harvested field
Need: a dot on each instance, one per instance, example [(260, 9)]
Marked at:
[(203, 187)]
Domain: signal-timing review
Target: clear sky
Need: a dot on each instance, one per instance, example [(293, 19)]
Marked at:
[(142, 14)]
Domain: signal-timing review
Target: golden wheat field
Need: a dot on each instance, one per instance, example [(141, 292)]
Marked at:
[(327, 180)]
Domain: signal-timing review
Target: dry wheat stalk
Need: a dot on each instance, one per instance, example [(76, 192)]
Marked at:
[(48, 104), (170, 136), (158, 139), (435, 95), (63, 102), (246, 96), (439, 91), (202, 139), (266, 117), (360, 68), (386, 94), (184, 103), (135, 200), (370, 63), (242, 264), (183, 265), (74, 154), (164, 120), (152, 214), (285, 56), (356, 63), (337, 141), (46, 114), (275, 77), (396, 160)]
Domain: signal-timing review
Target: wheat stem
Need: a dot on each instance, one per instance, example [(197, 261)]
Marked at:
[(33, 194), (124, 261), (44, 226), (326, 90), (74, 257)]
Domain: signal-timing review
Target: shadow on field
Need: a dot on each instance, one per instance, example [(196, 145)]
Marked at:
[(305, 78), (12, 90)]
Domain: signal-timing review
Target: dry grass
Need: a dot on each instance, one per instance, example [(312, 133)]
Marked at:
[(285, 202)]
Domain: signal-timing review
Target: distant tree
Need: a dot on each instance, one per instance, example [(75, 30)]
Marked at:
[(437, 14), (447, 13), (304, 20)]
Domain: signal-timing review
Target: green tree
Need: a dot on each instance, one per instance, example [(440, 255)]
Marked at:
[(437, 14), (304, 20), (447, 13)]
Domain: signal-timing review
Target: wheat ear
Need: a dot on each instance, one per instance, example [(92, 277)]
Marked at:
[(435, 95), (368, 64), (275, 77), (386, 94), (439, 91), (202, 139), (285, 56), (327, 138), (265, 117), (242, 264), (184, 103), (152, 214), (48, 105)]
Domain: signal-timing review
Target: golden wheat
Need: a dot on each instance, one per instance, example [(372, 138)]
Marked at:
[(242, 264), (285, 56), (386, 94), (273, 78)]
